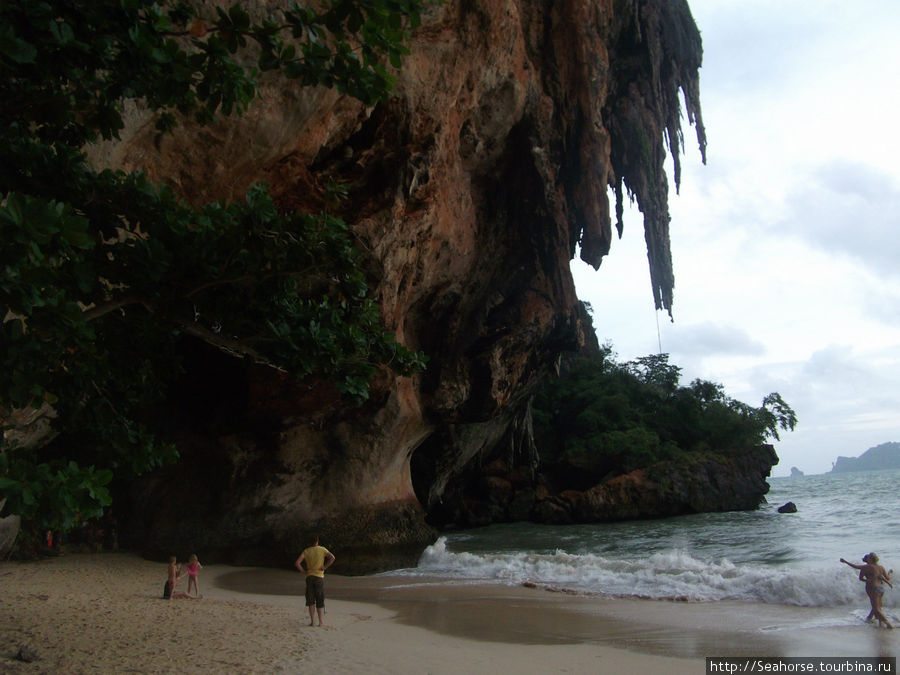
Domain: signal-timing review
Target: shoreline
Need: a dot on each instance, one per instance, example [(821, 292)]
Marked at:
[(104, 611), (549, 616)]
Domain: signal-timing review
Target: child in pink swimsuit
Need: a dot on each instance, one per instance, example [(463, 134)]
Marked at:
[(192, 568)]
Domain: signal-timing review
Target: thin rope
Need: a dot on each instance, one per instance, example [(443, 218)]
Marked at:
[(658, 338)]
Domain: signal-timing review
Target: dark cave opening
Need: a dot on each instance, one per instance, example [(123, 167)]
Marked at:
[(212, 393)]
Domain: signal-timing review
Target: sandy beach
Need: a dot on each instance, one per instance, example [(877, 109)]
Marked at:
[(104, 613)]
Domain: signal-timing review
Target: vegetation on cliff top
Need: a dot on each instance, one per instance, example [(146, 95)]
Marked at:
[(606, 418), (105, 273)]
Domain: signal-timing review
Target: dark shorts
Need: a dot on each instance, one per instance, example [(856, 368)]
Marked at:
[(315, 592)]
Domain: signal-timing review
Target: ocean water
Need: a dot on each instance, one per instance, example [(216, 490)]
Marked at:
[(757, 556)]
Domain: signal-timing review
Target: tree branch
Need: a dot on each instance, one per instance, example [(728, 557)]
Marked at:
[(101, 310), (226, 344)]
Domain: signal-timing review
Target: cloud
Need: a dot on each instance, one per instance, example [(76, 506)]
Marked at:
[(847, 208), (710, 339), (755, 45), (855, 180), (838, 388), (882, 303), (845, 399)]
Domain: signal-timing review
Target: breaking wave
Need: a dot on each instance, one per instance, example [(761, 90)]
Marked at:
[(667, 575)]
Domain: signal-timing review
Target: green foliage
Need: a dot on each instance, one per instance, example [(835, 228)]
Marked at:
[(655, 372), (68, 65), (55, 496), (104, 272), (606, 418)]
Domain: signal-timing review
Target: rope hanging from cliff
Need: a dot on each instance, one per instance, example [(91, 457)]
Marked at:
[(658, 337)]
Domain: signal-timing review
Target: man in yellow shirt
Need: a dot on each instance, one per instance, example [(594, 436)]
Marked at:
[(313, 562)]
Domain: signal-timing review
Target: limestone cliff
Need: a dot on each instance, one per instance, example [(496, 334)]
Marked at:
[(504, 491), (885, 456), (471, 191)]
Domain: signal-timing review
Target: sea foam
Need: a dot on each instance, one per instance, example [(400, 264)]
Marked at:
[(672, 574)]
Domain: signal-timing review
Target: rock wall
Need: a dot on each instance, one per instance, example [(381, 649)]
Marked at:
[(501, 492), (470, 191)]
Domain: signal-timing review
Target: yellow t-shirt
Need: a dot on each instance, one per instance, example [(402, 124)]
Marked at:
[(314, 558)]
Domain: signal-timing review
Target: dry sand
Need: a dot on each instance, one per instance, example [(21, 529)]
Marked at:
[(103, 613)]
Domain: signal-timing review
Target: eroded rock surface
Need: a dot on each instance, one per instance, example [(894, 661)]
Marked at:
[(470, 190), (507, 492)]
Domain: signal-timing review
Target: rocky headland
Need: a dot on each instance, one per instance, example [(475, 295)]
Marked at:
[(470, 191), (885, 456), (696, 484)]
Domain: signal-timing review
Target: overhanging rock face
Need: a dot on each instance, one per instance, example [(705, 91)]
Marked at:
[(470, 191)]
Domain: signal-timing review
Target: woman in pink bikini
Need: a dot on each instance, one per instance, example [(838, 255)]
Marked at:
[(192, 568)]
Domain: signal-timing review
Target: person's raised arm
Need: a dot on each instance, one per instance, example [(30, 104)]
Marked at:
[(853, 565), (299, 564), (329, 560)]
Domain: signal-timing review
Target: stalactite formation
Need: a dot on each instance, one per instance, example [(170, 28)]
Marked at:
[(655, 60)]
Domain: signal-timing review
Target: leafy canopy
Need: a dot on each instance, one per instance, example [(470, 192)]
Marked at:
[(608, 418), (104, 272)]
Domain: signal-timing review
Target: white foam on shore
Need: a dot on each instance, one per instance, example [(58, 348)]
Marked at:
[(669, 575)]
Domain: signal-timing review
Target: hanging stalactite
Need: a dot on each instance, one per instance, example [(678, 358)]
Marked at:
[(654, 61)]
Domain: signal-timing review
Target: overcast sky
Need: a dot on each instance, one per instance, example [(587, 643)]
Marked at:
[(786, 245)]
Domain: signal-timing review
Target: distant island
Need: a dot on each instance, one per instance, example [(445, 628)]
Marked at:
[(881, 457), (796, 473)]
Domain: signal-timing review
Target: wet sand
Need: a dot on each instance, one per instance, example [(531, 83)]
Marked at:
[(553, 616), (104, 613)]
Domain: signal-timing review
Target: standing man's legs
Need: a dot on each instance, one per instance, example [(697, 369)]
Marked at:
[(320, 599), (311, 598), (315, 599)]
